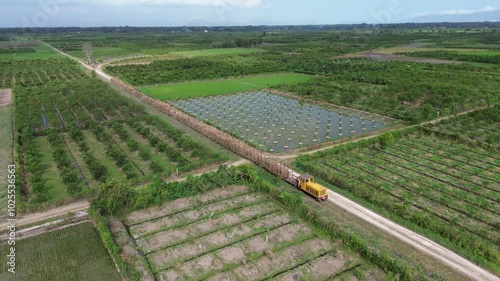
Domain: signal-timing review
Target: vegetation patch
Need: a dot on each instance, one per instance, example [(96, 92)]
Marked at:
[(490, 57), (448, 190), (217, 87), (28, 53), (480, 128), (77, 133), (382, 87), (230, 233), (72, 253)]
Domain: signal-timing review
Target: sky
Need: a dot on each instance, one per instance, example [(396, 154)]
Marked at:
[(92, 13)]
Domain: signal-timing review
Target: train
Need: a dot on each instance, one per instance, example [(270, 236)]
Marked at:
[(307, 184)]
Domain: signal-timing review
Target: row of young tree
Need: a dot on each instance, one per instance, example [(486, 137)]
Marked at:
[(458, 56)]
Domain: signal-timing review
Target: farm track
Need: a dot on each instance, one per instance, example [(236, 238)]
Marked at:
[(52, 213), (417, 241)]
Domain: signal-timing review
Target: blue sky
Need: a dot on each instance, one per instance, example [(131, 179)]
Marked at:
[(43, 13)]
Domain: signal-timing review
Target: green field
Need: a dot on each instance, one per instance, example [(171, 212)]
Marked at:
[(41, 52), (56, 188), (226, 86), (216, 52), (101, 54), (483, 53), (73, 253)]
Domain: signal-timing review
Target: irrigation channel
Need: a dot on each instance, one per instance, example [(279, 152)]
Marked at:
[(419, 242)]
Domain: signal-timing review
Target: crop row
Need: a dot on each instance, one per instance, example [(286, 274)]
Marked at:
[(66, 164), (183, 239), (72, 253), (480, 126), (37, 72), (459, 56), (108, 201), (416, 182), (76, 103)]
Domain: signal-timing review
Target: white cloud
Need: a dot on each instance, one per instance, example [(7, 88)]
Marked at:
[(216, 3), (456, 12)]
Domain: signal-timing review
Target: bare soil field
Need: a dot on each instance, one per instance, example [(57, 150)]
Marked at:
[(229, 234), (392, 57), (5, 97)]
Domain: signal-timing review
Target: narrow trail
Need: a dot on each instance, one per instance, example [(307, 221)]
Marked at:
[(52, 213), (84, 205), (417, 241)]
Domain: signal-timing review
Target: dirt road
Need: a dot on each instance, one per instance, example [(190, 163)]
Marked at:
[(421, 243), (53, 213)]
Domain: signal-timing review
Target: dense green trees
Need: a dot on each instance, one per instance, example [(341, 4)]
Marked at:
[(458, 56), (405, 90)]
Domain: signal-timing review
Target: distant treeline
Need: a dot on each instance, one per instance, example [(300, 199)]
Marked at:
[(260, 28)]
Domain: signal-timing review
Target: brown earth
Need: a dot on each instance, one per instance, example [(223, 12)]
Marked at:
[(5, 97), (190, 215), (181, 204)]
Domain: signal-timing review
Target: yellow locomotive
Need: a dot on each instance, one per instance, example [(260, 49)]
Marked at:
[(307, 184)]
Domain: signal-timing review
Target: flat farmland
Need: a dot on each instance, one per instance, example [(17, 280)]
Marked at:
[(102, 54), (450, 190), (37, 72), (226, 86), (72, 253), (75, 132), (26, 51), (480, 127), (491, 57), (229, 234), (277, 123)]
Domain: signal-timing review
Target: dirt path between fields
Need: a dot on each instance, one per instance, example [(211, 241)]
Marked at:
[(84, 205), (53, 213), (419, 242), (5, 97)]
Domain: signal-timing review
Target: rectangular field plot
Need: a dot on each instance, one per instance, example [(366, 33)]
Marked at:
[(225, 86), (72, 253), (229, 234), (277, 123), (446, 188)]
